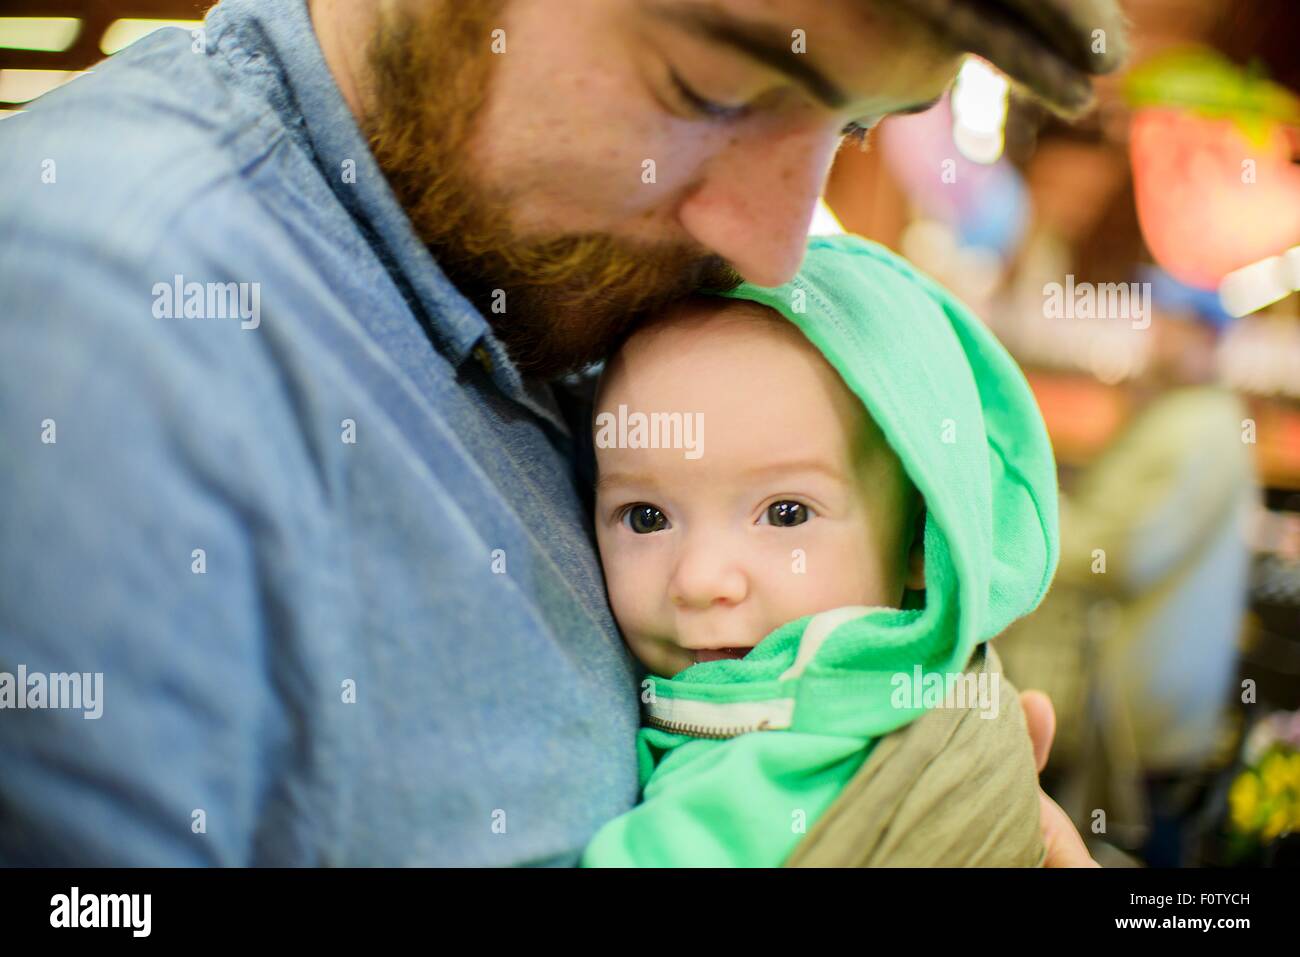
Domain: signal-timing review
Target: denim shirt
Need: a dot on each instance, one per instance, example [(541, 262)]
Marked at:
[(267, 472)]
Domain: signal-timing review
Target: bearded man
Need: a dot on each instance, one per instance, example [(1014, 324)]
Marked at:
[(332, 561)]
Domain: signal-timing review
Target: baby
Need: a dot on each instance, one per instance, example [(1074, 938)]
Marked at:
[(867, 496), (796, 504)]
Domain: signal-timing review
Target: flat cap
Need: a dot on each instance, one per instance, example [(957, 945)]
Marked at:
[(1052, 48)]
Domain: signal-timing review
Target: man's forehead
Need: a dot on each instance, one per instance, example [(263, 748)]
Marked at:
[(845, 53)]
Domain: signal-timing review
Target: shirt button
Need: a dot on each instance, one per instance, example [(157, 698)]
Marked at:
[(484, 358)]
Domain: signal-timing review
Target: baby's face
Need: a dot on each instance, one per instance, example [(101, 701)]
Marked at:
[(791, 504)]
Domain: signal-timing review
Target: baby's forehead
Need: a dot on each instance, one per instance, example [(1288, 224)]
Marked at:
[(701, 322), (742, 360), (702, 343)]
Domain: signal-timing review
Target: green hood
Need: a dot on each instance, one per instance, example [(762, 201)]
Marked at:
[(957, 411)]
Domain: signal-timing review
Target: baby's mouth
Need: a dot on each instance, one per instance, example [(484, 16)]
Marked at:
[(719, 654)]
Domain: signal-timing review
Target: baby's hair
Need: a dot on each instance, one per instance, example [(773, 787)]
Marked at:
[(687, 310), (694, 304)]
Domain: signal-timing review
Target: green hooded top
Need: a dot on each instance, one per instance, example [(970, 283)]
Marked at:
[(739, 757)]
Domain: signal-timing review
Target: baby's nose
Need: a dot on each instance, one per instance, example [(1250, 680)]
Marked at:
[(708, 577)]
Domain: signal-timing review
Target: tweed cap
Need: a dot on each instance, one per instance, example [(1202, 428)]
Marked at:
[(1051, 48)]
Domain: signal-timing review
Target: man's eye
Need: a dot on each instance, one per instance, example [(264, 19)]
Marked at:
[(643, 519), (786, 514), (702, 105)]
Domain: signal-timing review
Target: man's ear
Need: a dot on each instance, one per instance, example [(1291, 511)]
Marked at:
[(916, 553)]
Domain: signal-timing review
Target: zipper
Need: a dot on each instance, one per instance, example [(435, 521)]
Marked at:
[(703, 731), (718, 720)]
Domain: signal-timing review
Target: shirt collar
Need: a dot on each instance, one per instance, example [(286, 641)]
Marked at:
[(302, 90)]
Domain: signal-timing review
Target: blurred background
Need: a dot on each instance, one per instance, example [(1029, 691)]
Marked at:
[(1130, 263), (1136, 264)]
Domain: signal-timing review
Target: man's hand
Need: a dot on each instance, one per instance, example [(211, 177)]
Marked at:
[(1065, 847)]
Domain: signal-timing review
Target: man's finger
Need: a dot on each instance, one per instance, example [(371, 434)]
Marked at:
[(1065, 847), (1040, 716)]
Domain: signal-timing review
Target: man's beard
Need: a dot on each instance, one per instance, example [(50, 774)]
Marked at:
[(568, 297)]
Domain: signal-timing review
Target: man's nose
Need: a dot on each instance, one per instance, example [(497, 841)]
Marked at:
[(707, 573), (757, 197)]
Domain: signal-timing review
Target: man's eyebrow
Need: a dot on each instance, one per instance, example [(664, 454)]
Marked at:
[(764, 42)]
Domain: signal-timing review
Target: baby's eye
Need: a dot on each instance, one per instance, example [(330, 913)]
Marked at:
[(644, 518), (786, 514)]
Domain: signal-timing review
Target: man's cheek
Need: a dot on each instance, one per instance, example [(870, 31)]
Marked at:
[(658, 155)]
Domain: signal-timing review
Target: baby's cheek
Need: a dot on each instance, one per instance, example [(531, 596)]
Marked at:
[(638, 609), (633, 585), (819, 592), (824, 572), (628, 606)]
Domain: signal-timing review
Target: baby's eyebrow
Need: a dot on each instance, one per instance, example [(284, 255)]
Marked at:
[(798, 465), (607, 479)]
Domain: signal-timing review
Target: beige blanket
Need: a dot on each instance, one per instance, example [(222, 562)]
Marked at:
[(952, 789)]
